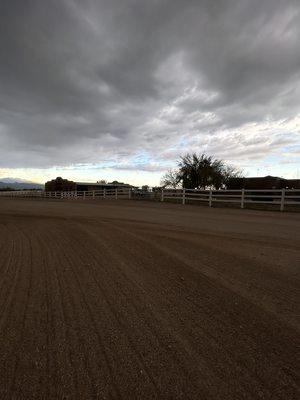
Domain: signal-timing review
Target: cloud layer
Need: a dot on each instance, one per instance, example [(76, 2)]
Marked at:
[(132, 84)]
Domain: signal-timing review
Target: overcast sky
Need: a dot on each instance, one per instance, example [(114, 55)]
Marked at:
[(118, 89)]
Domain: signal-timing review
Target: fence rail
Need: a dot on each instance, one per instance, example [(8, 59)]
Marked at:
[(277, 197), (91, 194)]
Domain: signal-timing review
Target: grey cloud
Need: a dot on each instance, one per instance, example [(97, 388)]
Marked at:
[(90, 81)]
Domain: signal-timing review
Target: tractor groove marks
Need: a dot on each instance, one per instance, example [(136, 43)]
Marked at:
[(99, 307)]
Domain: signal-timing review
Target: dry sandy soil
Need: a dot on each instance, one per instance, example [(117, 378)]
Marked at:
[(140, 300)]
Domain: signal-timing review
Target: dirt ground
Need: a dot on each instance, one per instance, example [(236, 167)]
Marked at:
[(132, 300)]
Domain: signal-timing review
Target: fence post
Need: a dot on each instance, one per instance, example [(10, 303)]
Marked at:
[(129, 194), (104, 193), (210, 198), (84, 194), (183, 196), (162, 195), (282, 199), (243, 198), (93, 194), (116, 193)]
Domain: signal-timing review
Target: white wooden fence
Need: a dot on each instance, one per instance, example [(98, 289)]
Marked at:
[(91, 194), (280, 198), (242, 197)]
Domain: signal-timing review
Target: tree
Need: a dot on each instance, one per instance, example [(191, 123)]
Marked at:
[(103, 181), (170, 179), (231, 172), (203, 172)]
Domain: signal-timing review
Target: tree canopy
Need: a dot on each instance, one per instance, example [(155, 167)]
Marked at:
[(171, 179), (200, 171)]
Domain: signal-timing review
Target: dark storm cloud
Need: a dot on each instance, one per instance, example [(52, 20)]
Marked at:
[(90, 81)]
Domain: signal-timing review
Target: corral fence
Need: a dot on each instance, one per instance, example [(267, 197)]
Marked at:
[(281, 199), (91, 194)]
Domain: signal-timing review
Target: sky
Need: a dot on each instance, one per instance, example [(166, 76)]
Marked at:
[(119, 89)]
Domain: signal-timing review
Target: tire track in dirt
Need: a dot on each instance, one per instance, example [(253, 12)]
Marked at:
[(8, 270), (63, 342), (139, 316), (49, 325), (175, 255), (6, 245), (61, 366), (160, 327), (110, 317), (19, 352), (14, 311), (86, 310), (108, 308), (121, 325), (72, 288), (222, 261), (115, 392), (144, 247)]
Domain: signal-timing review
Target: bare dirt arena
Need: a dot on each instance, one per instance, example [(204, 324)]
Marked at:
[(139, 300)]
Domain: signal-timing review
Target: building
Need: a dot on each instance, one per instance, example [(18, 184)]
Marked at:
[(60, 185), (293, 183), (267, 182), (64, 185)]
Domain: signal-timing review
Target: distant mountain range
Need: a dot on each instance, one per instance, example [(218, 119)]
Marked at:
[(19, 184)]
